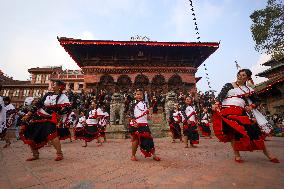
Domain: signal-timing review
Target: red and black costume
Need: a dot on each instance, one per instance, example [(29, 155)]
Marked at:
[(174, 120), (104, 120), (63, 128), (205, 124), (139, 129), (42, 126), (92, 130), (79, 130), (190, 125), (233, 123)]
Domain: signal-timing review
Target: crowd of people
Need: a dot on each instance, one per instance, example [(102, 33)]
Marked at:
[(234, 113)]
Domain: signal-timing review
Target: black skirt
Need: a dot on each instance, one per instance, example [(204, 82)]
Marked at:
[(79, 133), (91, 133), (38, 134), (175, 130), (63, 133), (190, 130), (146, 143)]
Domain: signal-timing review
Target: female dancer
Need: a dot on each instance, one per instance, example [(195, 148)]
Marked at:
[(205, 124), (79, 130), (139, 129), (189, 124), (174, 120), (63, 128), (42, 126), (103, 122), (92, 130), (233, 118)]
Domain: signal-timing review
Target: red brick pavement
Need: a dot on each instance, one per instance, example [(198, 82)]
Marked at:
[(208, 166)]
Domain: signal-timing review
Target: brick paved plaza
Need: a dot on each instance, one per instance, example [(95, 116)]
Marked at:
[(208, 166)]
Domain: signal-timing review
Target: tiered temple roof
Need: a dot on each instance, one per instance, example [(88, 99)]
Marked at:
[(143, 53)]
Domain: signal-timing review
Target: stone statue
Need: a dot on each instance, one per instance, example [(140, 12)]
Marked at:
[(117, 109), (171, 101)]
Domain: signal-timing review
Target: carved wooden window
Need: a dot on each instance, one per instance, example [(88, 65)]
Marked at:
[(106, 79), (175, 80), (158, 80), (123, 80), (141, 80)]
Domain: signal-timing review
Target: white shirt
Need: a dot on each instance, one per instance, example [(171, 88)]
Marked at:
[(139, 110), (91, 120), (103, 120), (81, 121), (68, 119), (190, 111), (233, 100), (176, 114), (51, 101), (205, 118)]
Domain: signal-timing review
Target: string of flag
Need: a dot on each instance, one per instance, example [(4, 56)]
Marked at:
[(198, 39)]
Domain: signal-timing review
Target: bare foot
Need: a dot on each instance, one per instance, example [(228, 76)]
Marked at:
[(156, 158), (133, 158), (274, 160), (239, 159), (58, 158), (32, 158)]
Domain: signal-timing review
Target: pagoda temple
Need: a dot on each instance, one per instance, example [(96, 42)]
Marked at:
[(150, 65), (271, 91)]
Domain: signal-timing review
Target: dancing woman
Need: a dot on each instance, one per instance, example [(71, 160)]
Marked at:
[(92, 130), (234, 120), (140, 131), (190, 131), (174, 121), (43, 118), (205, 123)]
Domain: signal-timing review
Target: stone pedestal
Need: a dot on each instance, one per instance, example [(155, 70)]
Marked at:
[(116, 132), (158, 125)]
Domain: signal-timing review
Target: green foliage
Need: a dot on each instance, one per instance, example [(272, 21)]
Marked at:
[(268, 28)]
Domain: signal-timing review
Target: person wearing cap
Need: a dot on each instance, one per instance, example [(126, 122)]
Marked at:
[(42, 125)]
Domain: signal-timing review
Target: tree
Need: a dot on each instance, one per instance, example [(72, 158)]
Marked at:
[(268, 28)]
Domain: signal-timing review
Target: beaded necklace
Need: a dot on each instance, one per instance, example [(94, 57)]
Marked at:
[(242, 89)]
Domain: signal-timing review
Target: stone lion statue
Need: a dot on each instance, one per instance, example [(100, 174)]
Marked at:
[(117, 109), (171, 101)]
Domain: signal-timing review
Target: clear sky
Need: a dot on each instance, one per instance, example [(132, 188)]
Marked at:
[(29, 29)]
